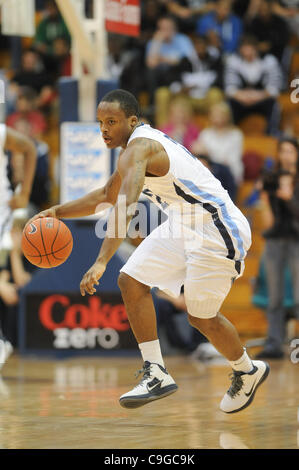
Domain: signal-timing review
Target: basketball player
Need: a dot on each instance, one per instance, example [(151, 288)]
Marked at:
[(152, 163), (11, 140)]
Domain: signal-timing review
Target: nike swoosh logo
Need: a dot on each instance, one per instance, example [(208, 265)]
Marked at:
[(249, 393), (33, 229), (156, 385)]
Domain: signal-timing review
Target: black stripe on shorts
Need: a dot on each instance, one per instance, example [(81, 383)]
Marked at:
[(215, 217)]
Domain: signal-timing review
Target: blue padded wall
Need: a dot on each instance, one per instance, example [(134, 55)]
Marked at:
[(104, 86), (68, 96)]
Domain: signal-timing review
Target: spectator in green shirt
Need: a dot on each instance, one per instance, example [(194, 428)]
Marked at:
[(48, 30)]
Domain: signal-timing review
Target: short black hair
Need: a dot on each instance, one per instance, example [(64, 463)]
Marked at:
[(127, 101), (28, 93), (294, 143), (288, 140), (249, 40), (169, 18)]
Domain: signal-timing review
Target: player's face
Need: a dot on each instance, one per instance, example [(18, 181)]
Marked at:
[(115, 126)]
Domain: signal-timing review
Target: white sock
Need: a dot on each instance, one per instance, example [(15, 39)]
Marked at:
[(243, 364), (151, 352)]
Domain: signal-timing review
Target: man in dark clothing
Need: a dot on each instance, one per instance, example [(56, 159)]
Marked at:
[(31, 73), (271, 31)]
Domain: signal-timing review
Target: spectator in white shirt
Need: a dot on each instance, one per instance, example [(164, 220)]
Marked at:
[(222, 141), (252, 83)]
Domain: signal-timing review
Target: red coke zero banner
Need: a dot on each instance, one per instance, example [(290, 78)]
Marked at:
[(72, 322)]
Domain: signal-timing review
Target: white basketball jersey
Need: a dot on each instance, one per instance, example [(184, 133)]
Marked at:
[(190, 187)]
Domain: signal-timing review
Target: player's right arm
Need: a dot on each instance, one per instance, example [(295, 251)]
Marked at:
[(86, 205)]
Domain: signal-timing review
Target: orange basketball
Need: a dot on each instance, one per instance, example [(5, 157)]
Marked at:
[(47, 242)]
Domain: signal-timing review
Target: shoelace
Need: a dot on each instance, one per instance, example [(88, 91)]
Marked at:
[(146, 371), (237, 383)]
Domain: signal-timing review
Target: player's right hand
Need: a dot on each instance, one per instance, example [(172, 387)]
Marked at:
[(51, 212)]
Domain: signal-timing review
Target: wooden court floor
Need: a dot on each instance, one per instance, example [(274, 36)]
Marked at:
[(73, 404)]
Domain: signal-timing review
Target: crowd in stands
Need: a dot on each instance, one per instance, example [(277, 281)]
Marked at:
[(199, 68), (202, 52)]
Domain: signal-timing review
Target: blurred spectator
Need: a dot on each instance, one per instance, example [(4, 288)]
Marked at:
[(242, 7), (118, 57), (271, 30), (222, 27), (187, 12), (26, 111), (252, 83), (222, 142), (246, 9), (133, 77), (165, 54), (180, 125), (33, 75), (40, 191), (151, 11), (202, 84), (49, 29), (288, 9), (280, 198), (222, 173), (207, 70), (63, 63)]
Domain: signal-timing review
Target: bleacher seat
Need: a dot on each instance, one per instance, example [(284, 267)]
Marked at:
[(254, 124), (262, 144)]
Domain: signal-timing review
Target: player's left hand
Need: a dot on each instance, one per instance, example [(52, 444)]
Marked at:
[(91, 278)]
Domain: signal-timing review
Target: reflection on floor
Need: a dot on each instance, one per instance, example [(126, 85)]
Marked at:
[(48, 404)]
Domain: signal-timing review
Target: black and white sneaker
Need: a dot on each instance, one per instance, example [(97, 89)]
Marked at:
[(243, 387), (156, 383)]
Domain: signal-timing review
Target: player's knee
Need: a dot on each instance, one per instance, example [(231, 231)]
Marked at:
[(128, 284), (123, 281)]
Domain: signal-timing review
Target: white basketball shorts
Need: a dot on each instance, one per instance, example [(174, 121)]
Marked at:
[(164, 262)]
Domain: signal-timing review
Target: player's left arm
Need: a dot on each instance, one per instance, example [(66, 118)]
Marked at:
[(132, 168), (19, 143)]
